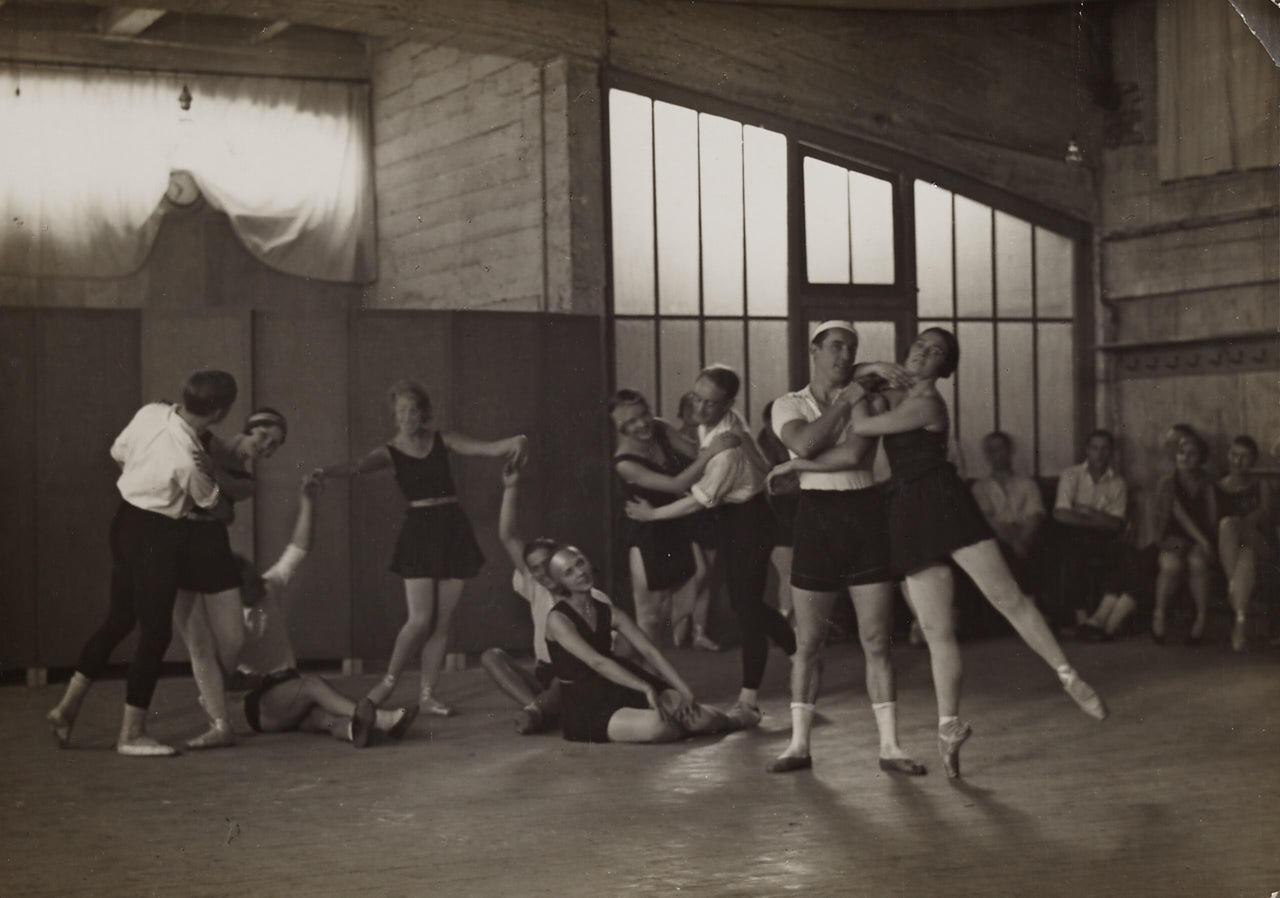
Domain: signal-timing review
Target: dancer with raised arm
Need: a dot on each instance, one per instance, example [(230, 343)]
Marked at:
[(436, 551), (165, 473), (208, 600), (610, 699), (933, 518)]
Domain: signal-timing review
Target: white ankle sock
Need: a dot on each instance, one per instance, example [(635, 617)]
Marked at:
[(887, 725)]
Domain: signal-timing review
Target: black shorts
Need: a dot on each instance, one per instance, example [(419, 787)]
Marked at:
[(206, 563), (841, 539), (254, 697)]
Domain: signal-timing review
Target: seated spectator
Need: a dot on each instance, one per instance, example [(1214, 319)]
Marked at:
[(1186, 515), (1246, 533), (1089, 511), (1012, 506)]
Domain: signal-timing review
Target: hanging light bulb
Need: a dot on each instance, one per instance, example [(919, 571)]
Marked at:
[(1074, 155)]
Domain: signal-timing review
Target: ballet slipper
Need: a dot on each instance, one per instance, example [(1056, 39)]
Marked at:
[(144, 747), (789, 763), (429, 704), (60, 727), (905, 766), (217, 736), (362, 720), (401, 726)]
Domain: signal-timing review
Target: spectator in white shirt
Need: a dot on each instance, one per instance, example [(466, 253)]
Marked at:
[(1012, 506), (165, 474)]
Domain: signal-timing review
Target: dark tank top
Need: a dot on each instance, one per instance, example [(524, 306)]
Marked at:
[(916, 452), (1196, 507), (568, 666), (424, 478), (672, 464), (1239, 504)]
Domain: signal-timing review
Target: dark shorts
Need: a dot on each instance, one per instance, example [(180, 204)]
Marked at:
[(841, 539), (254, 697), (207, 564)]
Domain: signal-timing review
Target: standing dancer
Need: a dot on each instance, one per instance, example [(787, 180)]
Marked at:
[(538, 692), (208, 601), (610, 699), (733, 483), (841, 544), (933, 518), (666, 565), (436, 550), (165, 474)]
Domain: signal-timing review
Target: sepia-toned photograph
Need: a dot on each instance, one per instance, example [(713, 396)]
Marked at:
[(640, 447)]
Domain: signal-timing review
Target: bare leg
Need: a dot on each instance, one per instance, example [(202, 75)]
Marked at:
[(224, 611), (1120, 611), (873, 605), (514, 680), (191, 620), (448, 594), (648, 602), (986, 567), (1199, 565), (781, 558), (318, 720), (813, 611), (641, 725), (1230, 542), (419, 596), (1168, 577), (929, 594)]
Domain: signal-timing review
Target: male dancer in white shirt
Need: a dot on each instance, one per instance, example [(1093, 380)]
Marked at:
[(165, 473)]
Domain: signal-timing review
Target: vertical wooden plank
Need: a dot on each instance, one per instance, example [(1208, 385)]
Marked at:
[(18, 592), (300, 369), (88, 387), (385, 347)]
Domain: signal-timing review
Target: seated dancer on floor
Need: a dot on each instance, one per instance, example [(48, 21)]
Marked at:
[(609, 699), (204, 599), (933, 518), (537, 691), (280, 698)]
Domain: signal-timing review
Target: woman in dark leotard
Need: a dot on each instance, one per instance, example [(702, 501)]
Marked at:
[(436, 550), (655, 463), (609, 699), (1186, 521), (934, 519), (1246, 532)]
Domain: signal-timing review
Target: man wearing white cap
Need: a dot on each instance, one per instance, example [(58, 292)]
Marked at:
[(841, 541)]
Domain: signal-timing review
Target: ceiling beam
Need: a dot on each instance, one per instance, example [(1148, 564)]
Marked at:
[(267, 32), (128, 22)]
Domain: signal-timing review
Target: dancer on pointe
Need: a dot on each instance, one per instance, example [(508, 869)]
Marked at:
[(841, 543), (436, 550), (165, 473), (537, 691), (611, 699), (933, 518), (208, 602)]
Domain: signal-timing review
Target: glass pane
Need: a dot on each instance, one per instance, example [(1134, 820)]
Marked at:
[(765, 168), (721, 160), (631, 200), (675, 167), (1055, 275), (723, 344), (768, 377), (933, 249), (973, 258), (826, 222), (633, 362), (871, 223), (975, 385), (947, 389), (1017, 391), (1057, 398), (680, 363), (1013, 266)]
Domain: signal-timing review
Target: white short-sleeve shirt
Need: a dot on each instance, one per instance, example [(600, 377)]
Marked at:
[(803, 406)]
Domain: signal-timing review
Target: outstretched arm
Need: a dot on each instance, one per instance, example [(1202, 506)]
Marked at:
[(507, 516), (912, 414), (560, 630), (374, 461), (304, 526), (650, 652), (515, 448)]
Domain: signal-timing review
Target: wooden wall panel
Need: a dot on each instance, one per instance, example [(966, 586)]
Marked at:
[(385, 347), (300, 368), (18, 405), (1239, 252), (88, 389)]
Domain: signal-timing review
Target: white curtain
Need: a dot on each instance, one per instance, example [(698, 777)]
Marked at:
[(1217, 92), (85, 157)]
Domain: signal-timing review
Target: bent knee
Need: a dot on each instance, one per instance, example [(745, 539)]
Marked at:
[(1170, 563)]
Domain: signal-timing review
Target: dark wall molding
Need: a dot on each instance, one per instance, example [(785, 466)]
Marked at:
[(1225, 354)]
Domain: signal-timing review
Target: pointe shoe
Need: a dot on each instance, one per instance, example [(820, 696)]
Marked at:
[(1238, 641), (528, 721), (401, 726), (789, 763), (362, 720), (1083, 695), (145, 747), (217, 736), (905, 766), (703, 644), (60, 727), (429, 704), (950, 737)]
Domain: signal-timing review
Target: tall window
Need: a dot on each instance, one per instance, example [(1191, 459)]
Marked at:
[(1007, 290), (699, 208)]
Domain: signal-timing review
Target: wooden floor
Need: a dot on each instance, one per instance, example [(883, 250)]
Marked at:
[(1177, 794)]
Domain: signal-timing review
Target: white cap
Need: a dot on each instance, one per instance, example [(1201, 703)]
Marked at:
[(833, 325)]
